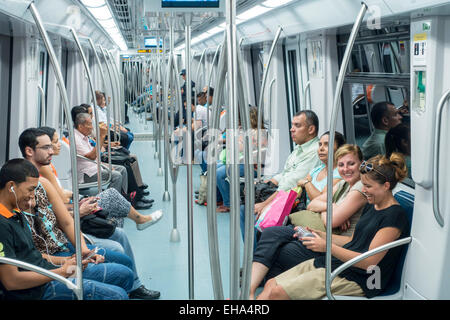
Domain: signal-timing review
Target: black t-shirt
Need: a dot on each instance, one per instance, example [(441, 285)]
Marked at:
[(368, 225), (16, 242)]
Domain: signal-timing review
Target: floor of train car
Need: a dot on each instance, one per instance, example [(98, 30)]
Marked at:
[(163, 265)]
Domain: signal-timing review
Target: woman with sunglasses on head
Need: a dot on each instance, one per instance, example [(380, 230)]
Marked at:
[(279, 250), (382, 221)]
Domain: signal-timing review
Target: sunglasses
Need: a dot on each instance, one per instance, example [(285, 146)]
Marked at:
[(366, 167)]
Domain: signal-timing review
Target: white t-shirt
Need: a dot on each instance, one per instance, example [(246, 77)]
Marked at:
[(201, 114)]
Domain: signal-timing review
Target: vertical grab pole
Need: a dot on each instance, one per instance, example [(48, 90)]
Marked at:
[(117, 74), (171, 74), (307, 90), (196, 74), (212, 156), (91, 86), (73, 153), (109, 65), (99, 63), (232, 143), (159, 103), (166, 195), (249, 182), (113, 94), (261, 100), (188, 18), (43, 107), (336, 105), (119, 80), (216, 54)]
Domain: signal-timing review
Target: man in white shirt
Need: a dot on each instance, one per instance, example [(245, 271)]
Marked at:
[(87, 169), (126, 136)]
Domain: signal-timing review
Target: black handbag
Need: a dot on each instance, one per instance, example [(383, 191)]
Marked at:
[(98, 225), (264, 190)]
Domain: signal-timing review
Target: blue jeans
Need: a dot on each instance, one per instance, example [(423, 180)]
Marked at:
[(110, 256), (118, 242), (222, 185), (104, 281), (255, 239), (130, 139)]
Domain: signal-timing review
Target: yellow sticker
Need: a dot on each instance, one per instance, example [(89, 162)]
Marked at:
[(2, 254), (420, 37)]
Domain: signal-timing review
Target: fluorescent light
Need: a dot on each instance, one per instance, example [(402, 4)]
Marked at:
[(215, 30), (107, 24), (253, 12), (101, 12), (93, 3), (200, 37), (275, 3)]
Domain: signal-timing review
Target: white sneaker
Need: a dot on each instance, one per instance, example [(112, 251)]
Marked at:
[(156, 216)]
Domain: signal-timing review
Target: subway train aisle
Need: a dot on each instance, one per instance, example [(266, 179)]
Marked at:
[(163, 265)]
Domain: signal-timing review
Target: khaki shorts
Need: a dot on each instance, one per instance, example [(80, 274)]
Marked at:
[(306, 282)]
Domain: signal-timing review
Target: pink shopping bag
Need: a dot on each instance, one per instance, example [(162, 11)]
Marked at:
[(277, 212)]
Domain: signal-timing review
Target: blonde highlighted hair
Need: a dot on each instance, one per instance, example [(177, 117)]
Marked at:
[(392, 169), (348, 149)]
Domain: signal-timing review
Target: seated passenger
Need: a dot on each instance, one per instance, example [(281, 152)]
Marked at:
[(315, 182), (384, 116), (382, 221), (116, 148), (110, 200), (200, 112), (223, 186), (126, 136), (52, 209), (88, 170), (398, 139), (126, 184), (300, 162), (278, 250), (105, 281)]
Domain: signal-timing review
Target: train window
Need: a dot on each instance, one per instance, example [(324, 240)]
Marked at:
[(42, 87), (378, 72), (258, 70), (64, 67), (293, 83)]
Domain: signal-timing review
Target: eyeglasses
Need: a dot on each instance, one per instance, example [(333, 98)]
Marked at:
[(46, 147), (366, 167)]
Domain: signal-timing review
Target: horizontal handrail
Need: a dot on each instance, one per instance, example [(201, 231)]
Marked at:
[(367, 254), (42, 271)]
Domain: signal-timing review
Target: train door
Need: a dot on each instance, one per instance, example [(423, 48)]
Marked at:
[(5, 102), (428, 259)]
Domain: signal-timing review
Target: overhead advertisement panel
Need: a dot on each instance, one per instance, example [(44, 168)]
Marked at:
[(190, 3)]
